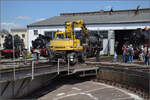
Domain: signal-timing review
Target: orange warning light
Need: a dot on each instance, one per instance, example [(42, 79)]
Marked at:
[(146, 28)]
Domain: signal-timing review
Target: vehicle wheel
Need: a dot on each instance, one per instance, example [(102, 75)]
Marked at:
[(72, 58)]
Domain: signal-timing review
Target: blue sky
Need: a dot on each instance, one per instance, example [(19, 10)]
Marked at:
[(21, 13)]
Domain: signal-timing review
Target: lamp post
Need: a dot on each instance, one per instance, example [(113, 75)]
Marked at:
[(14, 68)]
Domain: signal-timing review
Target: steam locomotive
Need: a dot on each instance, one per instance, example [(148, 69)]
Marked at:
[(94, 40), (8, 50), (138, 38), (41, 43)]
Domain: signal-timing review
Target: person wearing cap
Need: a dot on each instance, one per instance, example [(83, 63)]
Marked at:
[(124, 48), (131, 53)]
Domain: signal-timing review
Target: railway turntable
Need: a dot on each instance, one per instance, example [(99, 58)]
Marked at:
[(133, 77)]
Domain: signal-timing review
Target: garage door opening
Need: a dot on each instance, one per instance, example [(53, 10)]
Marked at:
[(123, 37)]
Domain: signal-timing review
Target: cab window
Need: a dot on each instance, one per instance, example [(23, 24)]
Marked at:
[(60, 36)]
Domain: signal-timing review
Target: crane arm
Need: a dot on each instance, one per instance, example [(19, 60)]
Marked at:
[(75, 24)]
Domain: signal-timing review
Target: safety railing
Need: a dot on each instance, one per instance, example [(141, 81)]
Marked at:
[(58, 66)]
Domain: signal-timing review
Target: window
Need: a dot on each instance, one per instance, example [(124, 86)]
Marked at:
[(50, 34), (93, 33), (81, 36), (60, 36), (35, 32), (103, 33), (23, 35), (78, 34)]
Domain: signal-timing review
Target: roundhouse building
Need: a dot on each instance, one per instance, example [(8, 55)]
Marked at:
[(115, 26)]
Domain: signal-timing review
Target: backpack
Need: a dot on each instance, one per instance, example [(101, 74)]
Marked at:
[(130, 51)]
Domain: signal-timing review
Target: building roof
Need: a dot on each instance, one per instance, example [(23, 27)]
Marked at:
[(4, 32), (101, 17), (102, 12), (20, 29)]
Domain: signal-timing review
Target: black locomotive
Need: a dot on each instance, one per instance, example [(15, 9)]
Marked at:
[(8, 50), (141, 37), (95, 43), (137, 38), (41, 43), (94, 40)]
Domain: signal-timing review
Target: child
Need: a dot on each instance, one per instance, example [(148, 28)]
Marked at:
[(115, 56)]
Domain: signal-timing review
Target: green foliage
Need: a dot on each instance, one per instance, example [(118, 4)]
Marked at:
[(28, 55), (1, 57), (106, 57)]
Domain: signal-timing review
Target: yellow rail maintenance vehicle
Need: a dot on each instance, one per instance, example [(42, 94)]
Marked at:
[(68, 45)]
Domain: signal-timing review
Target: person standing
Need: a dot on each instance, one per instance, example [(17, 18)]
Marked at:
[(115, 56), (127, 52), (148, 57), (145, 54), (141, 53), (124, 48), (24, 54), (37, 52), (97, 53), (131, 53)]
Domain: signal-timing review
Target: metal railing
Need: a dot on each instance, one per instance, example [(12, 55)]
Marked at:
[(58, 63), (58, 66), (32, 69)]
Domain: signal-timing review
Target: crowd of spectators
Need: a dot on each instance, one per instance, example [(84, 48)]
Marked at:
[(128, 53), (143, 53)]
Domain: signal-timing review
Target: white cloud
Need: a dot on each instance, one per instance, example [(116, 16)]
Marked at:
[(23, 18), (8, 26), (40, 19), (108, 7)]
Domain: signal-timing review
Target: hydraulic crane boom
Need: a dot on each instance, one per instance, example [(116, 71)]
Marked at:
[(69, 31)]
